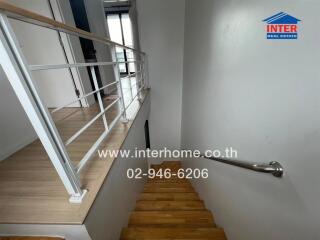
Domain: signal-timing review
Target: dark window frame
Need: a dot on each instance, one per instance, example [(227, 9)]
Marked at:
[(120, 13)]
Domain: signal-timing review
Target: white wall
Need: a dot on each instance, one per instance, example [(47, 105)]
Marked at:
[(63, 13), (42, 46), (133, 15), (262, 98), (15, 128), (118, 195), (161, 27)]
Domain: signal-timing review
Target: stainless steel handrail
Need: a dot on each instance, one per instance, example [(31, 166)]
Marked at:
[(274, 168)]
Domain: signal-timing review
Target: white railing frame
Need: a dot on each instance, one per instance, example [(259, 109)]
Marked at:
[(84, 96), (88, 124), (15, 67), (96, 87), (130, 79), (117, 75), (95, 146), (74, 65), (19, 74)]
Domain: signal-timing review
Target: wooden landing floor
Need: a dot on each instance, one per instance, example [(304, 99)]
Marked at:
[(30, 189)]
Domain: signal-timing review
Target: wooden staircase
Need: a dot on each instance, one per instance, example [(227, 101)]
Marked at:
[(171, 209)]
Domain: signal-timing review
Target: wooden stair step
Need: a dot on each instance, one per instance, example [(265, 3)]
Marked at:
[(168, 184), (168, 190), (169, 196), (173, 171), (166, 166), (170, 209), (151, 233), (168, 181), (197, 218), (171, 179), (168, 187), (169, 163), (175, 166), (169, 205)]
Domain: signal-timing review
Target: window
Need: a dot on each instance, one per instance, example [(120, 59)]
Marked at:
[(120, 30)]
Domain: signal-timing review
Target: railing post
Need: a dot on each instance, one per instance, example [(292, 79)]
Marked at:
[(142, 72), (130, 80), (137, 74), (116, 69), (96, 87), (145, 74), (17, 71), (139, 79)]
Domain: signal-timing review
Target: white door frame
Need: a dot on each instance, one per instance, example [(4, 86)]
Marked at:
[(69, 52)]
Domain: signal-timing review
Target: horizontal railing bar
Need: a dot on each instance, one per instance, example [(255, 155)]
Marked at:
[(134, 85), (24, 15), (75, 65), (130, 75), (273, 168), (95, 146), (135, 61), (88, 124), (61, 66), (84, 96)]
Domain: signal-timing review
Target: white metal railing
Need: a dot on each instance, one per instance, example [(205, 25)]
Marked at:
[(84, 96), (19, 73)]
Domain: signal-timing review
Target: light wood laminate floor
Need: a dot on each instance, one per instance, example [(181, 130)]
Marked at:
[(30, 189)]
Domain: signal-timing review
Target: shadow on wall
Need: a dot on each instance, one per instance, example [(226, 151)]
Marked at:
[(15, 129)]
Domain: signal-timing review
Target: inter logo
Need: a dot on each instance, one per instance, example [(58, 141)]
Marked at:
[(282, 26)]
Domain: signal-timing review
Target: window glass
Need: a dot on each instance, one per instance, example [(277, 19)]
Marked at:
[(115, 22)]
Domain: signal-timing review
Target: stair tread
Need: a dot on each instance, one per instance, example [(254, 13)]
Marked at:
[(169, 218), (169, 205), (169, 196), (169, 190), (144, 233), (170, 209), (168, 184), (168, 180), (168, 163), (168, 187)]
